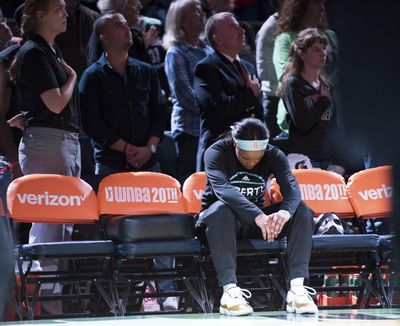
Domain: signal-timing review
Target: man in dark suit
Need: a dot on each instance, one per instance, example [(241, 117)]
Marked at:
[(225, 86)]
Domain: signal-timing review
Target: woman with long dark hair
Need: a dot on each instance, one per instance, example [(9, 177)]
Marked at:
[(308, 98), (295, 16)]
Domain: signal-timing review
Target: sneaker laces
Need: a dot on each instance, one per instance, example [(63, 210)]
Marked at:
[(307, 291), (240, 293)]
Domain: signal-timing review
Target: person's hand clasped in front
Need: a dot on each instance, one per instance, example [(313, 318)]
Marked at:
[(272, 225)]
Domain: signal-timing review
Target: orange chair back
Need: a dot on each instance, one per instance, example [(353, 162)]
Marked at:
[(193, 189), (267, 197), (140, 193), (324, 191), (370, 192), (51, 198), (275, 192)]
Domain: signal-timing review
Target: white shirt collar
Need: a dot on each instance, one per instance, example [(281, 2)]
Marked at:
[(231, 59)]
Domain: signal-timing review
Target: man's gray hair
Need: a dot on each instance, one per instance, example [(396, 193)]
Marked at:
[(212, 25)]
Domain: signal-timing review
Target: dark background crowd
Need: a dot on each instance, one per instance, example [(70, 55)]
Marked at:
[(149, 85), (359, 64)]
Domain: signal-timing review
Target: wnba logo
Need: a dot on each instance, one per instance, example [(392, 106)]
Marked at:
[(141, 195)]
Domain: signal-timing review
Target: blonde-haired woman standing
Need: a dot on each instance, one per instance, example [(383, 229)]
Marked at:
[(184, 24)]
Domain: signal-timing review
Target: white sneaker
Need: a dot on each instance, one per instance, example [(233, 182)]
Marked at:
[(234, 303), (299, 301), (170, 304)]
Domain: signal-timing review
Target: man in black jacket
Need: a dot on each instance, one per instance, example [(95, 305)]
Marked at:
[(124, 113), (225, 86), (123, 109)]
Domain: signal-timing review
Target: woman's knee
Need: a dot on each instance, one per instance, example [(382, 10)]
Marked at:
[(220, 214), (305, 213)]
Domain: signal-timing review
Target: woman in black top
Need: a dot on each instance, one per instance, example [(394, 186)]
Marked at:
[(49, 102), (307, 95), (237, 170)]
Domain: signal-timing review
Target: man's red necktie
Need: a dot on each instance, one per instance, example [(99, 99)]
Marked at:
[(241, 70)]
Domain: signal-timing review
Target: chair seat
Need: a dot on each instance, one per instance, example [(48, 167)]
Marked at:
[(159, 248), (68, 248), (347, 242), (261, 245), (256, 246), (387, 242), (158, 227)]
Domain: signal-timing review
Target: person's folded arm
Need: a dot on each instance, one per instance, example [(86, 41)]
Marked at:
[(303, 112)]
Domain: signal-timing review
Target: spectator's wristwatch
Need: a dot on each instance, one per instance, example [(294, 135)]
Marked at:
[(153, 148)]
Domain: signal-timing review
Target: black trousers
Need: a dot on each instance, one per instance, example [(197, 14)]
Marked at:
[(187, 152), (222, 228)]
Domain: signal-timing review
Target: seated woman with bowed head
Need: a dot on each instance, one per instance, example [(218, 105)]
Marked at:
[(237, 169)]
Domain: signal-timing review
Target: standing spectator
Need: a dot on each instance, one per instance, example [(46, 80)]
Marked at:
[(9, 166), (265, 40), (237, 169), (74, 40), (130, 9), (212, 7), (295, 16), (225, 86), (46, 85), (79, 29), (313, 128), (142, 42), (184, 25), (125, 113)]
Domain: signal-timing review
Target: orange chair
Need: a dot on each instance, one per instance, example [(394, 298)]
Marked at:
[(146, 206), (193, 189), (50, 198), (144, 213), (325, 191), (370, 193), (321, 190)]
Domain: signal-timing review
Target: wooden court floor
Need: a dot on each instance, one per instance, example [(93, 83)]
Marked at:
[(368, 317)]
